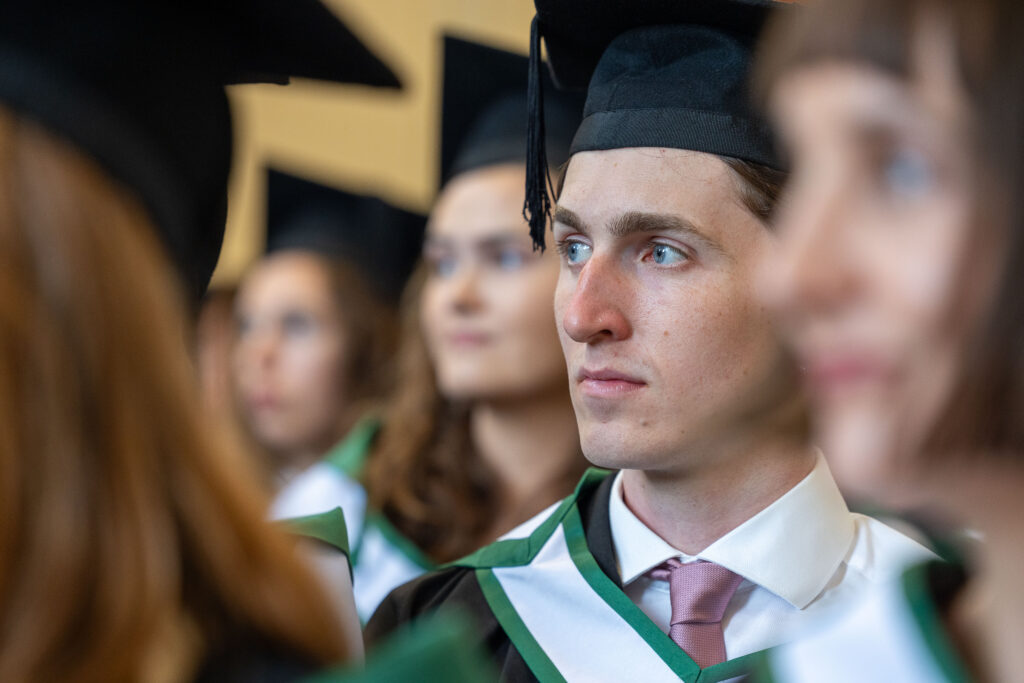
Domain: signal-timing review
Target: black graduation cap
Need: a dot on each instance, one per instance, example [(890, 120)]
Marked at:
[(139, 86), (658, 73), (383, 242), (484, 109)]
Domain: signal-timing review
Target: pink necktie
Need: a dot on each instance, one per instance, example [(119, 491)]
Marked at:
[(699, 592)]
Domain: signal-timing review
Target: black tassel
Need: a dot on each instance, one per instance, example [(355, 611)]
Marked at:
[(539, 190)]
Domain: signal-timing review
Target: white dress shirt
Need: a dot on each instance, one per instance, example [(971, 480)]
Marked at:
[(800, 557)]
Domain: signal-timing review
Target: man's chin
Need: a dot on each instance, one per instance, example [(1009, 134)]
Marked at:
[(613, 449)]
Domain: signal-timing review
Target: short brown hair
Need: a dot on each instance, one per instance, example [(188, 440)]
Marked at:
[(759, 186)]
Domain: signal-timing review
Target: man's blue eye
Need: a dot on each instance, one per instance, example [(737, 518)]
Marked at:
[(577, 252), (664, 255)]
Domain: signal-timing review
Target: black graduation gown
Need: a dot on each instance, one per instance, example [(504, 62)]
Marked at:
[(456, 589)]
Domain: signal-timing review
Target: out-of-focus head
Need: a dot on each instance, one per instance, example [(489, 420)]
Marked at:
[(113, 482), (660, 222), (290, 354), (315, 316), (486, 303), (90, 350), (896, 277), (140, 88)]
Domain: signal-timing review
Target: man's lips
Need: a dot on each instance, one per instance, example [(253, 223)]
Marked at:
[(607, 383)]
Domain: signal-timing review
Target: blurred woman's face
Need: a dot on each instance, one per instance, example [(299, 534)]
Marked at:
[(487, 308), (872, 275), (289, 355)]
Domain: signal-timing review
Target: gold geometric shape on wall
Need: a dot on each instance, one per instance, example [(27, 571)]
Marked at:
[(363, 139)]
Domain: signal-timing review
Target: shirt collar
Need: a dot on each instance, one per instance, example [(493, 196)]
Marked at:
[(791, 548), (637, 548)]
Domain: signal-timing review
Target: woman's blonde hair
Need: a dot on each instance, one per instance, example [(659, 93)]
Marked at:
[(121, 509)]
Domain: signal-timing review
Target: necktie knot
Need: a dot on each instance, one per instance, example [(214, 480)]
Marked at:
[(700, 592)]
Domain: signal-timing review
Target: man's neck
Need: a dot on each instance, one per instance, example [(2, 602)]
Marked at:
[(692, 507)]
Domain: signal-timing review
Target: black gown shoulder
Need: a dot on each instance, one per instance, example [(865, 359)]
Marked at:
[(455, 590), (452, 591), (254, 660)]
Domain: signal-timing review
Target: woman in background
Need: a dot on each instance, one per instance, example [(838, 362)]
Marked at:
[(316, 324), (898, 281)]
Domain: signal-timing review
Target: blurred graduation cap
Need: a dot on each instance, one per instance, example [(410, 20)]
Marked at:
[(484, 109), (381, 241), (658, 73), (139, 86)]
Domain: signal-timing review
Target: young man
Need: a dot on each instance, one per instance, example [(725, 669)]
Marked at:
[(722, 533)]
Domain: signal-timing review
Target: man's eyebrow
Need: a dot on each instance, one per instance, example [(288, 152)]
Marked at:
[(633, 222), (570, 219)]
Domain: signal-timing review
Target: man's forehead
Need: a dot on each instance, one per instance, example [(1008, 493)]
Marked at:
[(606, 187), (644, 170)]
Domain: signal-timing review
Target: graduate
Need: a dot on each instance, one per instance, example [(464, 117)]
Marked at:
[(316, 319), (723, 533), (315, 342), (443, 468), (897, 281)]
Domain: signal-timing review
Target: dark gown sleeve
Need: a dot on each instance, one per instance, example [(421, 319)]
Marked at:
[(253, 660), (454, 591)]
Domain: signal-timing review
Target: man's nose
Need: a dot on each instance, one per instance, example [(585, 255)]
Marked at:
[(597, 309)]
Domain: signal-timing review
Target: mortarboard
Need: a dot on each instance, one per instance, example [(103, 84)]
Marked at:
[(139, 87), (484, 110), (658, 73), (383, 242)]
